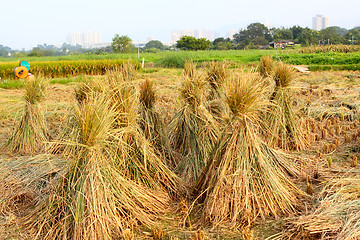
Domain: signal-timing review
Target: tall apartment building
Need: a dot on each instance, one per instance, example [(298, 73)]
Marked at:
[(176, 35), (320, 22), (87, 39), (74, 38)]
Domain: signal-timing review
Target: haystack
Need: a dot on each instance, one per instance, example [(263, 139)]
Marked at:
[(136, 154), (152, 122), (193, 130), (282, 121), (31, 133), (245, 178), (94, 199)]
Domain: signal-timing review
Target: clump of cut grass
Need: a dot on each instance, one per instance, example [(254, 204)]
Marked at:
[(285, 131), (283, 75), (94, 199), (245, 178), (336, 214), (147, 94), (193, 130), (266, 66), (31, 133)]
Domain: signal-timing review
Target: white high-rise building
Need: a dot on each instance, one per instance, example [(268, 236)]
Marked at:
[(74, 38), (320, 22), (91, 38), (176, 35), (87, 39)]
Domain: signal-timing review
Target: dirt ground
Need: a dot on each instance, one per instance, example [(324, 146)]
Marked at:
[(328, 102)]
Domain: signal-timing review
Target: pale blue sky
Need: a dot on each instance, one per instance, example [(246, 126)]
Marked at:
[(24, 24)]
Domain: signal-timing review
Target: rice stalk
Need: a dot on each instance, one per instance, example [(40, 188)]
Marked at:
[(94, 199), (31, 133), (193, 130), (245, 178), (128, 71)]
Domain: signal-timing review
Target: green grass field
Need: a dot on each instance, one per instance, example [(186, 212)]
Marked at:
[(91, 64)]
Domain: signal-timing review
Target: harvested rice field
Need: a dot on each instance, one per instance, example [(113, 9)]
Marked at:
[(204, 152)]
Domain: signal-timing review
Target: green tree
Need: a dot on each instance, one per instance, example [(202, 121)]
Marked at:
[(283, 34), (296, 32), (154, 44), (255, 34), (353, 36), (308, 37), (331, 35), (341, 31), (121, 44), (222, 44), (193, 44), (4, 51)]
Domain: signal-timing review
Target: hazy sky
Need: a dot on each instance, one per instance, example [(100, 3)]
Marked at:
[(24, 24)]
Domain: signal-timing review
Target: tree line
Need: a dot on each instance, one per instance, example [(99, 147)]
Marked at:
[(257, 34), (253, 36)]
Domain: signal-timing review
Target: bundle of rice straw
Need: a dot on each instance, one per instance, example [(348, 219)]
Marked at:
[(189, 68), (137, 157), (283, 123), (152, 123), (31, 133), (245, 178), (193, 130), (94, 199), (216, 75)]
